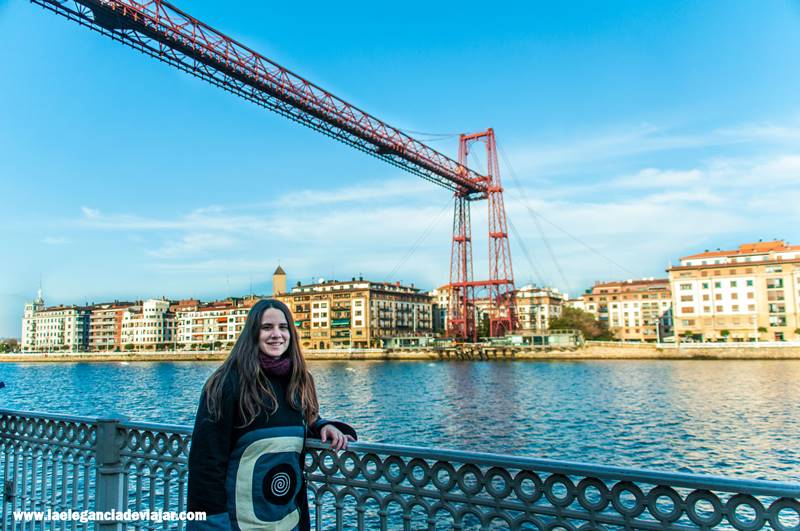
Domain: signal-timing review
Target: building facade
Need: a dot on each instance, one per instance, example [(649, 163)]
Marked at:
[(440, 298), (357, 314), (633, 310), (105, 325), (536, 307), (747, 294), (212, 325), (149, 324), (56, 328)]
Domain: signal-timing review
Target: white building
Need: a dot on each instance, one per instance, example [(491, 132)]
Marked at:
[(214, 324), (56, 328), (150, 323), (745, 294)]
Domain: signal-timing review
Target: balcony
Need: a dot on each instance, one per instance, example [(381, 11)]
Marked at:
[(375, 486)]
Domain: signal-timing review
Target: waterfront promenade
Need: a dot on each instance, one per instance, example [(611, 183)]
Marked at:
[(591, 350), (58, 463)]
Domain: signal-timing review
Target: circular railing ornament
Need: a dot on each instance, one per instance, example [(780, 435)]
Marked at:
[(745, 500), (699, 496)]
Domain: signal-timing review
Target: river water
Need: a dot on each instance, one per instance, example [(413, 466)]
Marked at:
[(731, 418)]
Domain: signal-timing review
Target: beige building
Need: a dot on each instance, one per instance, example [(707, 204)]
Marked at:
[(278, 281), (747, 294), (536, 307), (634, 310), (357, 314), (441, 305)]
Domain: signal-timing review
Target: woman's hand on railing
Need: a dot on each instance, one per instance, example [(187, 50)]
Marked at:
[(338, 439)]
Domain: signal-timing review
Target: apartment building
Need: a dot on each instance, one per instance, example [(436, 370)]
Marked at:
[(105, 325), (214, 324), (357, 314), (536, 307), (634, 310), (148, 324), (440, 298), (54, 328), (746, 294)]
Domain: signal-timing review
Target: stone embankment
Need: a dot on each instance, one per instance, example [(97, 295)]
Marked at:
[(594, 350)]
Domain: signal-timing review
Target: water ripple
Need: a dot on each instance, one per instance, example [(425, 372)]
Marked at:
[(732, 418)]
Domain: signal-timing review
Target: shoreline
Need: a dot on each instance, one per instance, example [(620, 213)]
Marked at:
[(613, 351)]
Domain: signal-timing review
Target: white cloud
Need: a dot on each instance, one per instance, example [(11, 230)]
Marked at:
[(655, 178), (537, 158), (192, 244), (90, 212), (636, 221), (53, 240)]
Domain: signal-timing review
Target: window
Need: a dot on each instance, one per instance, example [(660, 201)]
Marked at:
[(735, 308), (750, 283), (719, 309), (706, 297), (686, 298), (734, 296), (686, 287), (733, 283), (751, 307), (687, 309), (707, 309), (718, 296), (773, 283), (717, 284), (750, 295), (777, 320)]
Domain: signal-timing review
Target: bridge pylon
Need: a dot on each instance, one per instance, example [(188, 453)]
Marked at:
[(500, 301)]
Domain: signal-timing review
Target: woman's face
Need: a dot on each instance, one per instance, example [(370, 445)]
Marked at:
[(273, 337)]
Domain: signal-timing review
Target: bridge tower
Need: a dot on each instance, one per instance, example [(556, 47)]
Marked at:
[(500, 285)]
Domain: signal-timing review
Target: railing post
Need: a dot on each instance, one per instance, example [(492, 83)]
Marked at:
[(108, 480)]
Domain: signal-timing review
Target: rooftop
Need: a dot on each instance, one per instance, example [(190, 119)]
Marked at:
[(772, 246)]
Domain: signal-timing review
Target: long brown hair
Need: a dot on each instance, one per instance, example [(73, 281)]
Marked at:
[(255, 392)]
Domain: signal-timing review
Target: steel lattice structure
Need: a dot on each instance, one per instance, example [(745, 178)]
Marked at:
[(164, 32), (168, 34), (500, 286)]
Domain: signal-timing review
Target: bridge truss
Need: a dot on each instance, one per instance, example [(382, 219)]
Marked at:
[(166, 33)]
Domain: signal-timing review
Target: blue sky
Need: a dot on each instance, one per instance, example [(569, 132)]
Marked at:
[(647, 130)]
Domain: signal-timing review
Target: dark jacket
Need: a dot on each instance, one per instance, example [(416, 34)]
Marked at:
[(251, 477)]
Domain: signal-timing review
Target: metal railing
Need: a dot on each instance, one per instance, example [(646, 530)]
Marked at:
[(53, 462)]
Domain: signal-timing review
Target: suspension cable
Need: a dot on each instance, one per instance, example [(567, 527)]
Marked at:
[(417, 243), (534, 214)]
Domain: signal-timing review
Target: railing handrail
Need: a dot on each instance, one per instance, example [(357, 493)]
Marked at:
[(655, 477)]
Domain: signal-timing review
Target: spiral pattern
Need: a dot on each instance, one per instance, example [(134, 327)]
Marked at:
[(281, 483)]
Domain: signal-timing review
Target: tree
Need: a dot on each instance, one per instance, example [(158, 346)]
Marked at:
[(575, 319), (9, 345), (725, 334)]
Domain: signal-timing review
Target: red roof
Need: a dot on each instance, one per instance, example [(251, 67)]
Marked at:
[(748, 248)]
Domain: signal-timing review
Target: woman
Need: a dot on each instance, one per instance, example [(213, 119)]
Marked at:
[(245, 469)]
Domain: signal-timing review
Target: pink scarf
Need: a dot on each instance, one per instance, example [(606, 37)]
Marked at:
[(281, 366)]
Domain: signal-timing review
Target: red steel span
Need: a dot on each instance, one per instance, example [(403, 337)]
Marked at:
[(168, 34)]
